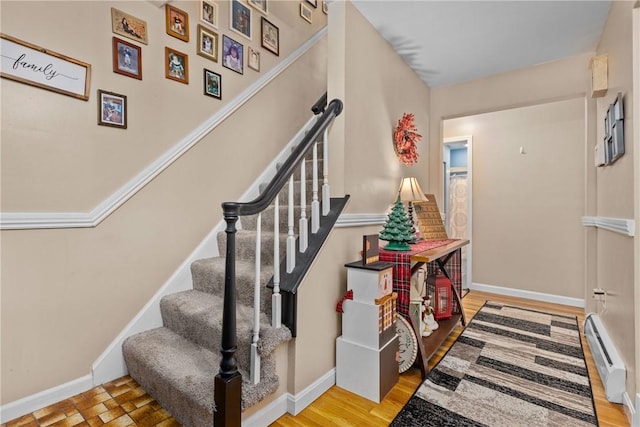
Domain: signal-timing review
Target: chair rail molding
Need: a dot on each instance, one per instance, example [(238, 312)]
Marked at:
[(42, 220), (618, 225)]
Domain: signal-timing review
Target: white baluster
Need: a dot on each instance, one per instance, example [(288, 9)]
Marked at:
[(276, 298), (255, 357), (315, 204), (326, 200), (303, 226), (291, 239)]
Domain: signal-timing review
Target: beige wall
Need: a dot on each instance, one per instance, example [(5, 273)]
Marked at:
[(615, 192), (377, 87), (67, 293), (527, 232)]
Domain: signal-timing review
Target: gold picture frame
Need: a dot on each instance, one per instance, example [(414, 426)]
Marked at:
[(177, 22), (129, 26)]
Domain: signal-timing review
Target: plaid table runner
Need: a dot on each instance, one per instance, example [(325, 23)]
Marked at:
[(402, 271)]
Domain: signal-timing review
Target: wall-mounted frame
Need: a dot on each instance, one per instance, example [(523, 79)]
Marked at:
[(177, 22), (614, 131), (128, 26), (212, 84), (253, 59), (36, 66), (261, 5), (209, 13), (306, 13), (270, 35), (240, 19), (207, 43), (313, 3), (112, 109), (176, 65), (232, 54), (127, 59)]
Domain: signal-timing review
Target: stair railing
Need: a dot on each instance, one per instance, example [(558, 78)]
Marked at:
[(228, 382)]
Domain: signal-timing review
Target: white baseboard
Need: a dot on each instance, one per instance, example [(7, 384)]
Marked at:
[(288, 403), (44, 398), (537, 296), (629, 410)]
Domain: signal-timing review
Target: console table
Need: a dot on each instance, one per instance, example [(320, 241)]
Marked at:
[(443, 255)]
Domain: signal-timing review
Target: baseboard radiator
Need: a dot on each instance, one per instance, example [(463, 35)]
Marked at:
[(610, 366)]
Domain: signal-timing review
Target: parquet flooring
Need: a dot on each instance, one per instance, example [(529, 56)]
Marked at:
[(124, 403)]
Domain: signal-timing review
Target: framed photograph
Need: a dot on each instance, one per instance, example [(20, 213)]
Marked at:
[(313, 3), (232, 54), (325, 7), (20, 59), (240, 19), (177, 23), (209, 12), (176, 65), (306, 12), (112, 109), (127, 59), (253, 59), (207, 43), (261, 5), (128, 26), (212, 84), (270, 36)]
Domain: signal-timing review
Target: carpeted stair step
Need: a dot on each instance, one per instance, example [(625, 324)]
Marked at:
[(249, 222), (208, 276), (308, 165), (283, 196), (197, 316), (180, 375), (246, 245)]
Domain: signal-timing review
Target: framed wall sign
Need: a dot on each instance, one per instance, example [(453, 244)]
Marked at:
[(36, 66)]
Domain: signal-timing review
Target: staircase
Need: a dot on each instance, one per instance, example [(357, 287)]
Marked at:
[(178, 363)]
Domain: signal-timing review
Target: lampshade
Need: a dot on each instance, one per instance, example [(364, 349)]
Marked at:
[(410, 191)]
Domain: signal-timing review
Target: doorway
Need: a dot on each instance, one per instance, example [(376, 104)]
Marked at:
[(457, 195)]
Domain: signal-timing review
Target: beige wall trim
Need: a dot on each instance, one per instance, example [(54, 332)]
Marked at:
[(537, 296), (360, 220), (618, 225), (48, 220), (44, 398)]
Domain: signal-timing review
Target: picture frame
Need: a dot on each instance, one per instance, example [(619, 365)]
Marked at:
[(261, 5), (19, 56), (129, 26), (240, 19), (234, 62), (209, 13), (127, 58), (212, 84), (207, 43), (614, 131), (313, 3), (176, 65), (270, 36), (306, 13), (112, 109), (177, 22), (253, 59), (325, 7)]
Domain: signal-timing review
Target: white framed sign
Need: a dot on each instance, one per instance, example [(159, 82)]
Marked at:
[(36, 66)]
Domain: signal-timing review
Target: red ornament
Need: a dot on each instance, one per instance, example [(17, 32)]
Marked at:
[(441, 287), (405, 138)]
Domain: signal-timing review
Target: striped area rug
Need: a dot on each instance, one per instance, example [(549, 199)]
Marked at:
[(510, 367)]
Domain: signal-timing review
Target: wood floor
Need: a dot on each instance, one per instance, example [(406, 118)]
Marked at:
[(338, 407), (124, 403)]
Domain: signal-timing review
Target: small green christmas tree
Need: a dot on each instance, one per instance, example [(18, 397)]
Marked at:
[(397, 229)]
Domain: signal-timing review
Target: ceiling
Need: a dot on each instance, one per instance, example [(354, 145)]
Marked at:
[(448, 42)]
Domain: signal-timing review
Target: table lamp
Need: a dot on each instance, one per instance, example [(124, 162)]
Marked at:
[(410, 192)]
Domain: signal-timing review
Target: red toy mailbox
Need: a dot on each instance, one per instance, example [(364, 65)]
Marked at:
[(440, 286)]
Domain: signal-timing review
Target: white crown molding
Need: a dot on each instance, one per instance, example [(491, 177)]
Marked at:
[(360, 220), (39, 220), (537, 296), (618, 225)]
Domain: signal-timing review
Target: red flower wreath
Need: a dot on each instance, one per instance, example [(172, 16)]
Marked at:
[(405, 137)]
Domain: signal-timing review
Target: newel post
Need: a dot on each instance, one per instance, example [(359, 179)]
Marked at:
[(228, 382)]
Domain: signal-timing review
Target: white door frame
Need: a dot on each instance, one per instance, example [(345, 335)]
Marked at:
[(466, 140)]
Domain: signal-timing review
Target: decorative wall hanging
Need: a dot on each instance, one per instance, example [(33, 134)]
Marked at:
[(232, 54), (112, 109), (306, 12), (209, 13), (128, 26), (261, 5), (36, 66), (212, 84), (405, 138), (127, 59), (614, 131), (177, 23), (240, 20), (207, 43), (270, 37), (253, 59), (176, 65)]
